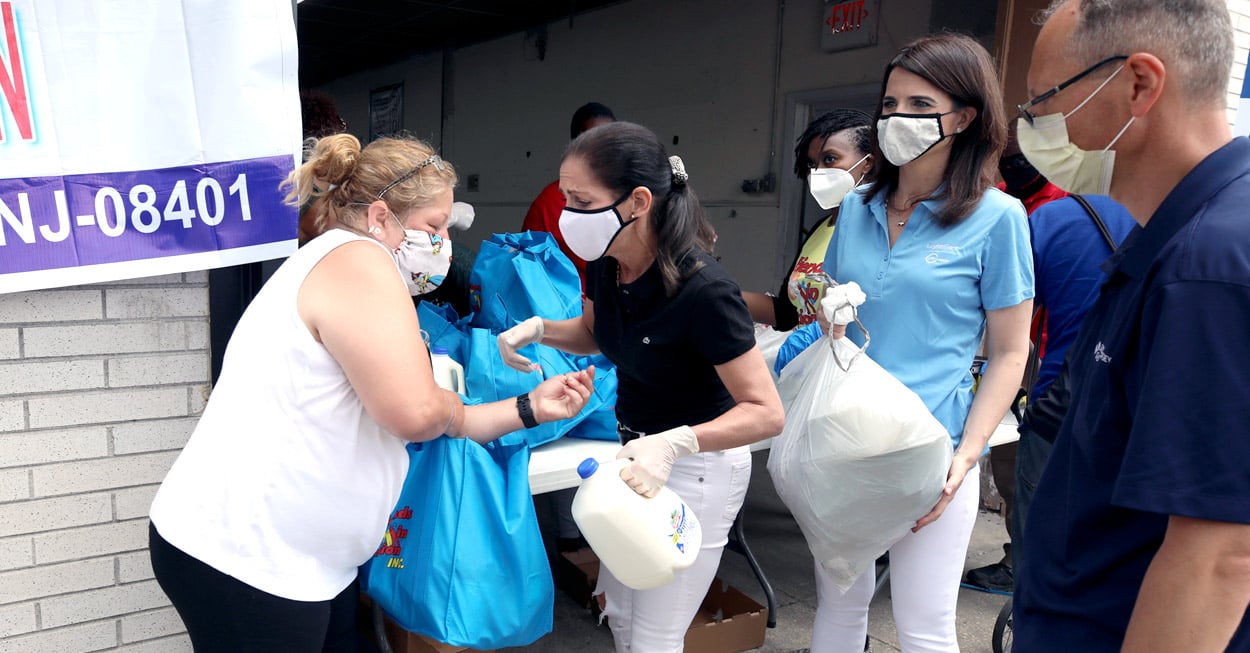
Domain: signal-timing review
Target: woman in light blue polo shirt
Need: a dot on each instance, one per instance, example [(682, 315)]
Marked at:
[(943, 258)]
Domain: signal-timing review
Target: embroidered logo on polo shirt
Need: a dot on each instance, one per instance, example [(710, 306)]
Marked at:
[(941, 253), (1100, 354)]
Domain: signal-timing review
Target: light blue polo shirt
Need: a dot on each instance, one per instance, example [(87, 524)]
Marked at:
[(927, 296)]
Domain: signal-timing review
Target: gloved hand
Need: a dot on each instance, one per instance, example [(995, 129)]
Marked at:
[(462, 214), (653, 457), (521, 335), (837, 309)]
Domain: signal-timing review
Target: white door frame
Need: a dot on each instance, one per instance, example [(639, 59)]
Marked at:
[(801, 107)]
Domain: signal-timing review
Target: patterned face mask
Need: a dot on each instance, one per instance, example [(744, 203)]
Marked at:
[(423, 259)]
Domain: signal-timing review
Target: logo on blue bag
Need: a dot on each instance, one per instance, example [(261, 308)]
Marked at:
[(393, 541)]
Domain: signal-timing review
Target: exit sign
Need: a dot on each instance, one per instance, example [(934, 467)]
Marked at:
[(849, 25)]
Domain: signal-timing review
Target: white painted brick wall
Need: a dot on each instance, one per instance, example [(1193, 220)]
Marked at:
[(14, 485), (156, 370), (52, 514), (1240, 10), (150, 625), (97, 636), (10, 346), (152, 435), (91, 605), (175, 644), (100, 387), (19, 378), (134, 502), (32, 583), (53, 445), (17, 619), (12, 417), (16, 552)]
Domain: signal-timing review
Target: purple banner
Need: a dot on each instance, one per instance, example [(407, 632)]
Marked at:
[(48, 223)]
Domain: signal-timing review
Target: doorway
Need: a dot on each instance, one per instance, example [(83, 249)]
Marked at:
[(798, 211)]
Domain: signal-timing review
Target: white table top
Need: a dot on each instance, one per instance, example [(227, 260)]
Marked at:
[(554, 466)]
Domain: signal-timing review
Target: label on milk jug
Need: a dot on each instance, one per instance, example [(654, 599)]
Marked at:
[(683, 527)]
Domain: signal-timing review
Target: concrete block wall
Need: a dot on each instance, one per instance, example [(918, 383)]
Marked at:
[(100, 387)]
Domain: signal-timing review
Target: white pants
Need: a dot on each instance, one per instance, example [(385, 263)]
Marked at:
[(925, 569), (713, 485)]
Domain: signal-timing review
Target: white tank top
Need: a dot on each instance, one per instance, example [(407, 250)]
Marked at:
[(286, 483)]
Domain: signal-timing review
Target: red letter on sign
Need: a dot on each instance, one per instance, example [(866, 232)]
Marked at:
[(13, 77)]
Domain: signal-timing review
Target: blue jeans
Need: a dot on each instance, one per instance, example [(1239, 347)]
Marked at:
[(1031, 455)]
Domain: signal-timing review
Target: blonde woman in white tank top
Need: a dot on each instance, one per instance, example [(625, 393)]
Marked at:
[(285, 485)]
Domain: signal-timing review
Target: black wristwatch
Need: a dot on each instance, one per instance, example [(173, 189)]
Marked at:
[(526, 412)]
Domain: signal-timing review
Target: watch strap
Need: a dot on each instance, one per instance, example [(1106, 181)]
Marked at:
[(526, 411)]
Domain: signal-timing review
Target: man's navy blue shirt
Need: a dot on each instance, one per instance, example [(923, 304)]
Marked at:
[(1159, 423)]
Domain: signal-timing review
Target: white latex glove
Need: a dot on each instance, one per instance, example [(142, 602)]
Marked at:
[(653, 457), (840, 303), (521, 335)]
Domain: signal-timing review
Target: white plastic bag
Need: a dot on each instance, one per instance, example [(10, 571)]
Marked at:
[(860, 458), (769, 340)]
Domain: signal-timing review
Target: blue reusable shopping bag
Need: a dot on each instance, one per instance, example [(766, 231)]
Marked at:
[(444, 328), (519, 275), (488, 378), (462, 560)]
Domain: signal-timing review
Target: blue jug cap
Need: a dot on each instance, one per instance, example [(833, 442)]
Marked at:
[(588, 467), (436, 350)]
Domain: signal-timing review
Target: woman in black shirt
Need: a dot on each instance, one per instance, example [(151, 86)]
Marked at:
[(694, 390)]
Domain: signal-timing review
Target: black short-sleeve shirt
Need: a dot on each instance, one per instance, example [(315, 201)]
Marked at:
[(666, 348)]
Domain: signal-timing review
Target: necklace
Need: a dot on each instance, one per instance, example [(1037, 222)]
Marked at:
[(909, 205), (902, 222)]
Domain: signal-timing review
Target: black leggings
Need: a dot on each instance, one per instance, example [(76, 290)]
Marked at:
[(225, 615)]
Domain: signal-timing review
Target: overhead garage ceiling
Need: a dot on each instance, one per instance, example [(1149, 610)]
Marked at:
[(339, 37)]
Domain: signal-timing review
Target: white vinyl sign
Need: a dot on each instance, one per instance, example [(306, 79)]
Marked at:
[(142, 137)]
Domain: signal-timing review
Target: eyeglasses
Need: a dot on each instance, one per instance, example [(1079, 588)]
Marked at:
[(1024, 108)]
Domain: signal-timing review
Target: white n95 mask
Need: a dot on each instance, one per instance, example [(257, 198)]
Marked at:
[(423, 259), (590, 233), (904, 137), (829, 185), (1046, 145)]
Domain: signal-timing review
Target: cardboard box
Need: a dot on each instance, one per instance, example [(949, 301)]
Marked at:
[(402, 641), (576, 574), (727, 622)]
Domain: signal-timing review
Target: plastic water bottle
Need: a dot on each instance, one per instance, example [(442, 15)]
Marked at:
[(641, 541), (448, 374)]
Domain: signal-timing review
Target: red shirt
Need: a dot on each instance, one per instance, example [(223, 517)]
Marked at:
[(544, 215), (1045, 194)]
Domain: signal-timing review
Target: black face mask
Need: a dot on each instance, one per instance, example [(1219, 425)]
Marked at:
[(1021, 177)]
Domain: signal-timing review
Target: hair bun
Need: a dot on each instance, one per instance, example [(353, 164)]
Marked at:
[(679, 170)]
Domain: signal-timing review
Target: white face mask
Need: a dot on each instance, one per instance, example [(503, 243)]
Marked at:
[(589, 233), (829, 185), (1046, 145), (423, 259), (904, 137)]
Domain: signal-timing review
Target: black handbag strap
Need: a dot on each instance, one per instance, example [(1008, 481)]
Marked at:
[(1102, 226)]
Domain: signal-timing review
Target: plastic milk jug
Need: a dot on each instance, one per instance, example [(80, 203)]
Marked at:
[(641, 541), (448, 374)]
